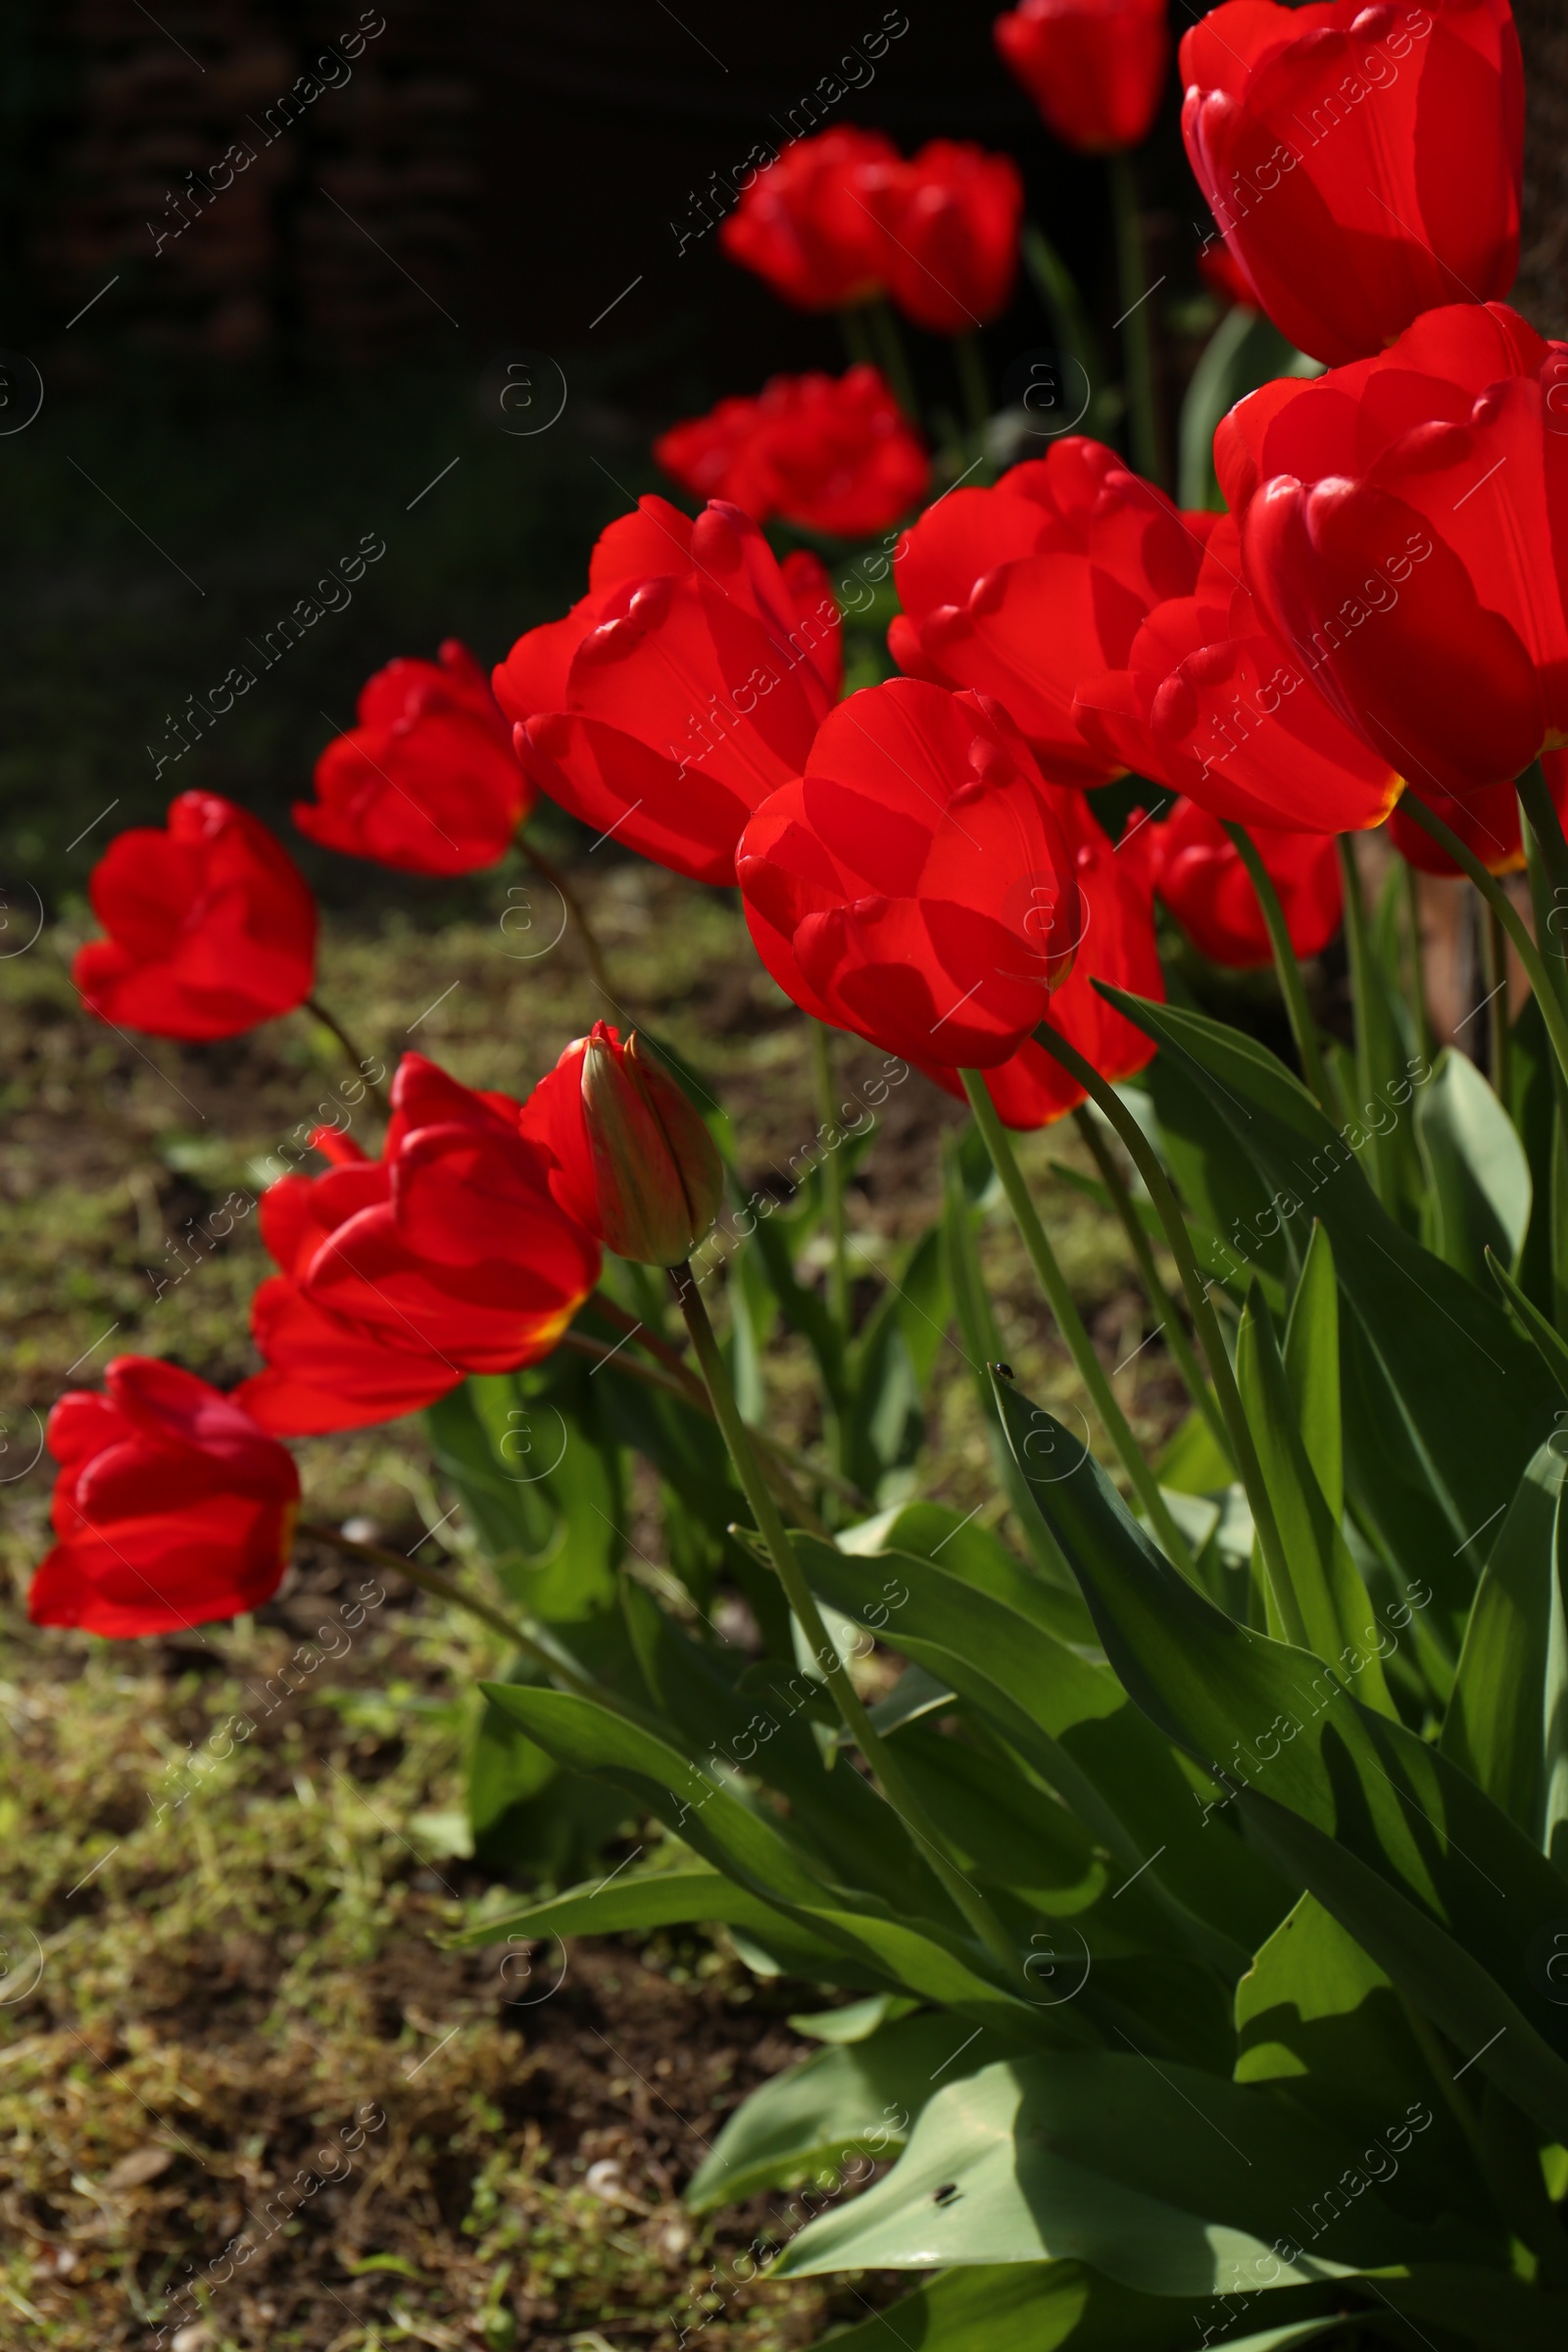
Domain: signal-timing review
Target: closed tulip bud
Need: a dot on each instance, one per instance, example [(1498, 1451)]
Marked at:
[(630, 1158)]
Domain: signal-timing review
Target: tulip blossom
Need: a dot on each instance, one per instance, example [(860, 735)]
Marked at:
[(629, 1157), (806, 226), (401, 1275), (1403, 528), (1486, 821), (952, 215), (212, 927), (1199, 874), (1117, 944), (684, 687), (828, 453), (1212, 704), (172, 1506), (914, 884), (1364, 162), (428, 781), (1024, 591), (1096, 69)]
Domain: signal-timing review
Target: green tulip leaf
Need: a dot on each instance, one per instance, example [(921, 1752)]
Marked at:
[(1316, 2016), (1163, 2177), (853, 2104), (1052, 2307), (1507, 1719), (1330, 1598), (1312, 1368), (1480, 1195), (1444, 1403), (1070, 1719), (753, 1850), (1426, 1872)]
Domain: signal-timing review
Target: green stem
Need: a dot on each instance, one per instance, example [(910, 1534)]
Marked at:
[(1091, 1371), (1287, 966), (1159, 1298), (832, 1177), (1358, 944), (1418, 972), (1242, 1451), (361, 1062), (894, 358), (1549, 927), (1541, 809), (970, 1903), (1494, 966), (1541, 978), (549, 871), (688, 1386), (1137, 339), (856, 337), (1052, 281), (777, 1460), (970, 362)]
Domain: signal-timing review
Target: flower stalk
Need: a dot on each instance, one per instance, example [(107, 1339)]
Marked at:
[(969, 1901), (1091, 1371)]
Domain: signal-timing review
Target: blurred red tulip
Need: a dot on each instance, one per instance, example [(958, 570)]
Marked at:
[(428, 781), (1025, 590), (684, 687), (172, 1506), (212, 927), (1200, 876), (1486, 821), (1365, 164), (630, 1158), (1405, 529), (914, 885), (1096, 69), (805, 224), (1116, 945), (401, 1275), (828, 453), (1211, 704), (952, 216)]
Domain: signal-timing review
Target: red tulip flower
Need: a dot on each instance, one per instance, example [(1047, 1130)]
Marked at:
[(171, 1507), (914, 885), (428, 781), (1405, 529), (212, 927), (1211, 704), (1365, 164), (1024, 591), (1096, 69), (683, 689), (826, 454), (402, 1275), (629, 1156), (1117, 945), (1486, 821), (806, 226), (1200, 876), (952, 215)]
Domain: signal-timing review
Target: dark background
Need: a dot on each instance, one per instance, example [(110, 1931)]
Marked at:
[(229, 415)]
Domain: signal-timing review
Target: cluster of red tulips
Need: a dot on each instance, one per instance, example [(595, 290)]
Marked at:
[(1382, 610)]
